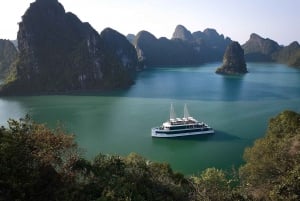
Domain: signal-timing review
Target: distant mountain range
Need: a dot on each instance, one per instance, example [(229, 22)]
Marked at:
[(59, 53), (186, 48), (259, 49)]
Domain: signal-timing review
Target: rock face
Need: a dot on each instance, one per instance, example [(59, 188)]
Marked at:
[(183, 49), (182, 33), (60, 53), (154, 52), (289, 54), (121, 48), (186, 48), (146, 45), (8, 54), (216, 43), (233, 61), (260, 49)]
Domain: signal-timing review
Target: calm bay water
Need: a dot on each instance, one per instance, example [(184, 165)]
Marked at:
[(238, 108)]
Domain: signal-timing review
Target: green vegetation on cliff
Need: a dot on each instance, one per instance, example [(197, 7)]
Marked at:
[(8, 54), (38, 163), (59, 53)]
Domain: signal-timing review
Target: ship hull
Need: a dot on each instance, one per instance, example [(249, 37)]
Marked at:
[(156, 132)]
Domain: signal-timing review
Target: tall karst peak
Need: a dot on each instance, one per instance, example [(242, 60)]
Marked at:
[(59, 53), (254, 36), (260, 40), (211, 32), (145, 44), (233, 60), (121, 47), (46, 5), (42, 11), (144, 35), (289, 54), (182, 33), (258, 48), (183, 49), (294, 44)]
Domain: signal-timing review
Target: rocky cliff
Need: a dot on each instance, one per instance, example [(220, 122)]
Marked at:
[(267, 50), (182, 33), (8, 54), (60, 53), (155, 52), (121, 50), (233, 61), (260, 49), (184, 48), (146, 45), (289, 54)]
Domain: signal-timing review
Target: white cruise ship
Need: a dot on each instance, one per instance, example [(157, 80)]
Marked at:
[(178, 127)]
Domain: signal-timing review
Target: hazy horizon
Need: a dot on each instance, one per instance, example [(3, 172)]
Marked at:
[(277, 20)]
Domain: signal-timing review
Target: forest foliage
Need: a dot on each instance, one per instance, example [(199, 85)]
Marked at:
[(39, 163)]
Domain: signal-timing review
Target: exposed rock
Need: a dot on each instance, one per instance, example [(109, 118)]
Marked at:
[(266, 50), (215, 40), (155, 52), (8, 54), (216, 44), (260, 49), (60, 53), (233, 60), (183, 49), (289, 54), (145, 44), (121, 47), (182, 33)]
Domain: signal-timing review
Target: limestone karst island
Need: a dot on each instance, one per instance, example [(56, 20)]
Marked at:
[(90, 114)]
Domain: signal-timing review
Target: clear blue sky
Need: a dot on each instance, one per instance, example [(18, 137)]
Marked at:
[(275, 19)]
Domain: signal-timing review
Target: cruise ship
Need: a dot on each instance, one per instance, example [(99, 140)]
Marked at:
[(178, 127)]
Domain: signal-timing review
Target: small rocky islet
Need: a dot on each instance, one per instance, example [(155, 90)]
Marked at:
[(233, 61)]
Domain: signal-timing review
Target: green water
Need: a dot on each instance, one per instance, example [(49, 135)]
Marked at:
[(238, 108)]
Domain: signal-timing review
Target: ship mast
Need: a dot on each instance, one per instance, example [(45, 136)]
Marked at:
[(172, 112), (186, 112)]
